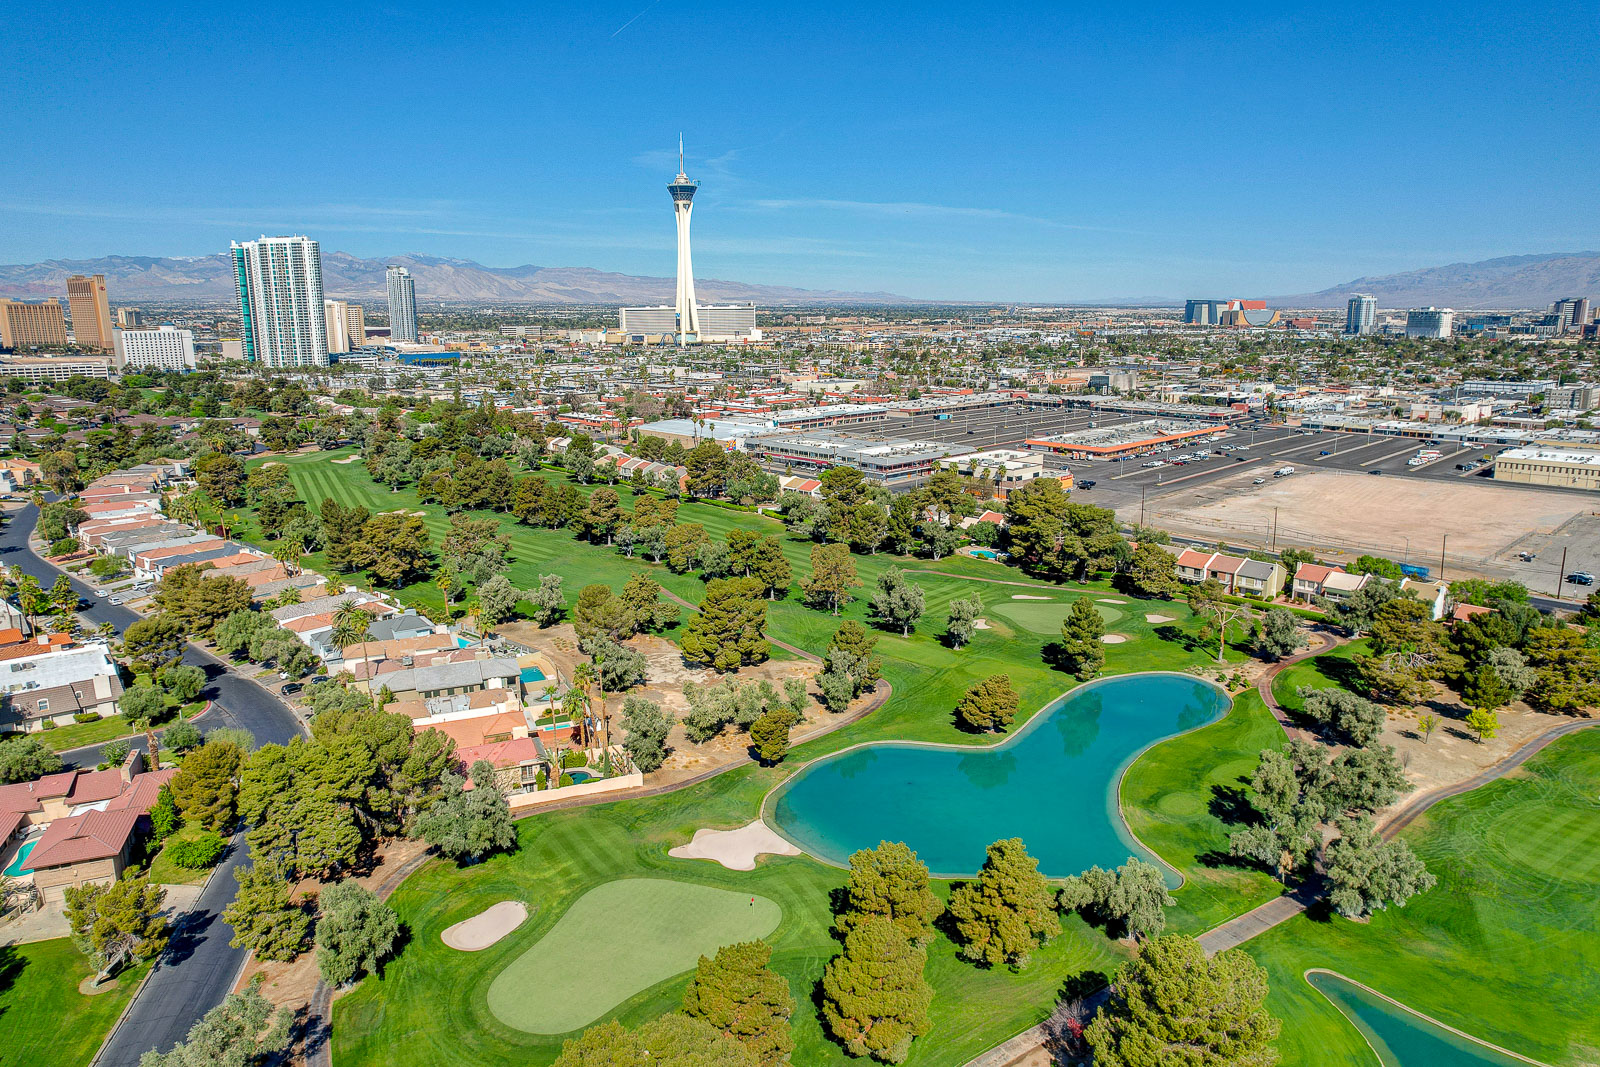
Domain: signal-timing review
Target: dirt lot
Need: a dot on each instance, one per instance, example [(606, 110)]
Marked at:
[(1341, 514)]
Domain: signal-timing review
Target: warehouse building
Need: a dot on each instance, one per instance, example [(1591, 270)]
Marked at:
[(1547, 466), (892, 462)]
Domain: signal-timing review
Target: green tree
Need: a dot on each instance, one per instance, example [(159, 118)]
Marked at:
[(727, 631), (889, 882), (833, 575), (600, 612), (738, 994), (141, 705), (1083, 653), (1152, 572), (497, 600), (467, 824), (898, 604), (646, 727), (769, 735), (874, 997), (25, 758), (184, 681), (394, 548), (1008, 911), (115, 922), (1483, 722), (962, 622), (356, 932), (164, 817), (683, 543), (548, 602), (1343, 712), (241, 1031), (1566, 671), (1170, 1004), (204, 787), (641, 595), (988, 705), (1367, 873), (1133, 896), (264, 917), (1383, 568), (221, 477), (1278, 634), (859, 642), (153, 643)]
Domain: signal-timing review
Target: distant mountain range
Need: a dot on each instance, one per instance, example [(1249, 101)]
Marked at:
[(209, 279), (1507, 282)]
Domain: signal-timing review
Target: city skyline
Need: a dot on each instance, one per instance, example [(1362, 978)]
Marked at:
[(1047, 154)]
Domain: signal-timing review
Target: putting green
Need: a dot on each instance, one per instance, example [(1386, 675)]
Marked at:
[(1046, 616), (619, 939), (1565, 845)]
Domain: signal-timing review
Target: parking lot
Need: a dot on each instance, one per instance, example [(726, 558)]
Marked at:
[(997, 427)]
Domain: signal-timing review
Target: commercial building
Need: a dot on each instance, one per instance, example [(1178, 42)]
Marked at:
[(91, 311), (164, 348), (1361, 315), (1204, 312), (130, 318), (402, 305), (1429, 322), (1129, 439), (1571, 312), (894, 463), (1548, 466), (347, 329), (55, 368), (718, 322), (279, 284), (355, 325), (26, 325)]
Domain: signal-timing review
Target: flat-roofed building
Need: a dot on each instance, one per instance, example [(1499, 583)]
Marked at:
[(91, 311), (1129, 439), (1548, 466), (164, 348), (55, 368), (896, 463), (25, 325)]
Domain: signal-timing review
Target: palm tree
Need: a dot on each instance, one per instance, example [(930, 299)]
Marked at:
[(289, 554), (352, 625)]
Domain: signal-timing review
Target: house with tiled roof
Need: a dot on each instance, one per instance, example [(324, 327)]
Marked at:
[(516, 762)]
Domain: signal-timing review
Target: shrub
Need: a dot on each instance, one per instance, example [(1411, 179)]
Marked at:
[(86, 716), (197, 853), (50, 724), (574, 758), (64, 547)]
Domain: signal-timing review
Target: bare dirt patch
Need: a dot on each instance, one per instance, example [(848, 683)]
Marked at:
[(738, 849), (487, 927)]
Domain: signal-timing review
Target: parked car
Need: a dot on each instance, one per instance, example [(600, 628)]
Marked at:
[(1374, 471), (1259, 481), (1581, 578), (102, 593), (116, 600), (292, 688), (1086, 484)]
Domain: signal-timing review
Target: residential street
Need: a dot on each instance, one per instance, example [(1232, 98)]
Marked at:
[(199, 966)]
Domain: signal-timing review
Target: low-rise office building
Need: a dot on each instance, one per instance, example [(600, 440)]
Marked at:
[(1548, 466)]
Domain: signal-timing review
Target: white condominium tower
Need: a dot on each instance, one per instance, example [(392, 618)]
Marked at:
[(402, 305), (683, 190), (279, 281), (1361, 317)]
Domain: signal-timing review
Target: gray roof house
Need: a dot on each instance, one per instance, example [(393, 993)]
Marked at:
[(448, 679)]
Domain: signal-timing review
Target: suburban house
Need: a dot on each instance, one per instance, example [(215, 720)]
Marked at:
[(449, 679), (89, 819), (19, 473), (1312, 580), (1238, 575), (517, 762), (52, 681)]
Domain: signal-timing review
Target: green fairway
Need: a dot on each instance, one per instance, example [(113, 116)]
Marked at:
[(1331, 670), (1044, 617), (616, 940), (1502, 949), (44, 1020)]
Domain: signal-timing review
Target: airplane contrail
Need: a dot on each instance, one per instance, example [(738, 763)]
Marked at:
[(635, 18)]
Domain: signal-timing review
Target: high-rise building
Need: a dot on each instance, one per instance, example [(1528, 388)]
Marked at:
[(164, 348), (24, 325), (682, 191), (1361, 317), (338, 326), (91, 311), (1204, 312), (279, 281), (129, 318), (1572, 312), (1429, 322), (402, 305), (355, 325)]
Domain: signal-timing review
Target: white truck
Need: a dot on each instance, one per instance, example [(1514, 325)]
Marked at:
[(1283, 472)]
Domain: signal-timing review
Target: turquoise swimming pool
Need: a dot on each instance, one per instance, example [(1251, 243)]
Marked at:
[(1053, 784), (1401, 1037), (530, 675), (14, 868)]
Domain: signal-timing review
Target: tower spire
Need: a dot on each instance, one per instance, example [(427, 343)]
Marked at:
[(680, 154)]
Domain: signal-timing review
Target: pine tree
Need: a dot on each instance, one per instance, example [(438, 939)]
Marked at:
[(889, 882), (874, 997), (989, 705), (738, 994), (263, 918), (727, 631), (1082, 651), (355, 932), (1008, 911), (833, 575), (769, 735)]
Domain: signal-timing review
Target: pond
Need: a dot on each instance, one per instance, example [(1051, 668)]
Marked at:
[(1053, 784), (1399, 1036)]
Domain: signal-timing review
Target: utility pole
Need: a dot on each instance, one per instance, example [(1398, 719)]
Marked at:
[(1445, 540), (1274, 530), (1561, 574), (1142, 489)]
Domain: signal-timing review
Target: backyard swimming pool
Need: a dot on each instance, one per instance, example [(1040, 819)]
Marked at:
[(14, 868), (530, 675), (1401, 1037), (1053, 784)]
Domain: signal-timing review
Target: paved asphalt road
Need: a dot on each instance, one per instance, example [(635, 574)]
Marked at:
[(199, 967)]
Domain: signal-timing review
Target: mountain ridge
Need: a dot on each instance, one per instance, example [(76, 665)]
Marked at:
[(1503, 283)]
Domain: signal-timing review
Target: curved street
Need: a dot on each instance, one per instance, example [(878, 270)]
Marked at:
[(199, 968)]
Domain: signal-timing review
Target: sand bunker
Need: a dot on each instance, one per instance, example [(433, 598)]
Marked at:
[(1159, 618), (486, 927), (1113, 639), (981, 624), (735, 849), (1108, 600), (1025, 596), (348, 459)]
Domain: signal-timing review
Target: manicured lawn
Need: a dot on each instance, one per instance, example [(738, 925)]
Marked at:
[(1333, 669), (110, 728), (165, 872), (1180, 799), (44, 1020), (618, 939), (1506, 947), (432, 1003)]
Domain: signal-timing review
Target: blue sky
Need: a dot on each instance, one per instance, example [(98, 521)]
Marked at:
[(967, 151)]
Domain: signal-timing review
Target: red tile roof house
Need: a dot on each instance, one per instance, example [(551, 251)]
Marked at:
[(1310, 580), (516, 762), (90, 820)]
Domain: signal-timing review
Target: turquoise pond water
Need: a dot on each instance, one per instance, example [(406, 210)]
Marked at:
[(1053, 784), (1403, 1038), (14, 868)]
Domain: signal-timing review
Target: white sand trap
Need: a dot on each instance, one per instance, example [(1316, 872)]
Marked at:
[(1026, 596), (981, 624), (1112, 639), (348, 459), (735, 849), (1108, 600), (272, 463), (486, 927), (1159, 618)]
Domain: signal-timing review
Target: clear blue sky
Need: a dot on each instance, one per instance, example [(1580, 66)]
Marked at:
[(980, 151)]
